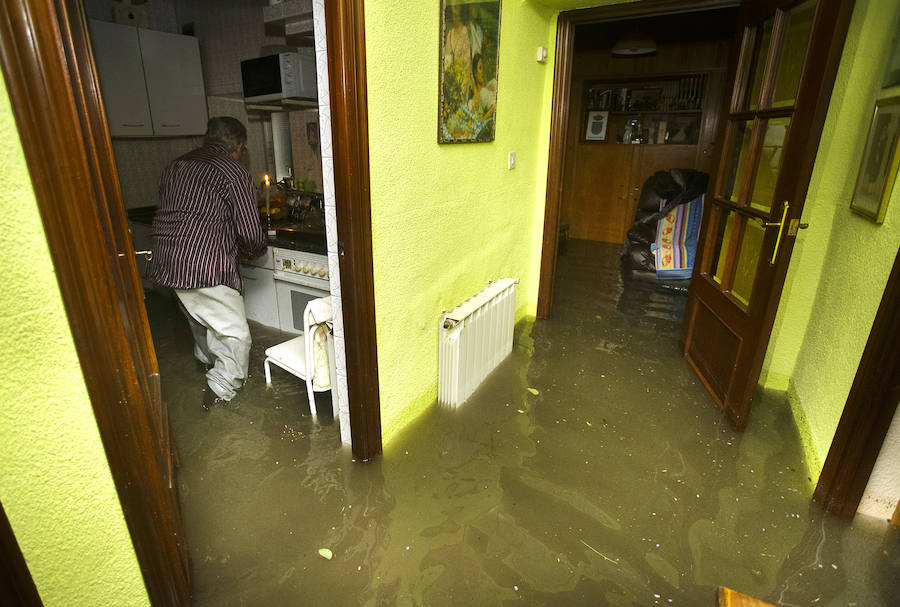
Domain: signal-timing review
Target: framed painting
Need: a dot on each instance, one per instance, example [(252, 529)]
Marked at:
[(892, 71), (469, 56), (596, 125), (880, 161)]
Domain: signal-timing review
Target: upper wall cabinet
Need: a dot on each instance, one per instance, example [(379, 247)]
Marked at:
[(152, 82)]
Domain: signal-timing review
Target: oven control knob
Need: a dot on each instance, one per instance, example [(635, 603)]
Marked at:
[(323, 272), (305, 268)]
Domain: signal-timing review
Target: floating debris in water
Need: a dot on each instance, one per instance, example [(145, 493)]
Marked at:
[(326, 553), (533, 391)]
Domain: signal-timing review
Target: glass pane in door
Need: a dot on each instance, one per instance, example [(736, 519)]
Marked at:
[(793, 53), (740, 147), (748, 260), (724, 225), (769, 163), (760, 52)]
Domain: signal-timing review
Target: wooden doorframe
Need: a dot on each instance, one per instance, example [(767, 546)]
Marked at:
[(345, 28), (16, 585), (559, 113), (56, 105), (869, 410)]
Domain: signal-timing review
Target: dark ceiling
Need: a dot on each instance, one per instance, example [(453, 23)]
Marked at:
[(707, 25)]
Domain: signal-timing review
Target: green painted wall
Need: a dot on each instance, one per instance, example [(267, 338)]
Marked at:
[(447, 218), (841, 263), (55, 483)]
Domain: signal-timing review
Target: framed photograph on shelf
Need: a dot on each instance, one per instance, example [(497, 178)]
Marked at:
[(644, 100), (880, 160), (469, 55), (596, 125)]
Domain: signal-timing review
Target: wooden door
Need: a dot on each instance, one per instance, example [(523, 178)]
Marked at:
[(52, 81), (781, 84)]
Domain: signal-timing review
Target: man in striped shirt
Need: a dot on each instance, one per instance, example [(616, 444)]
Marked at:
[(205, 215)]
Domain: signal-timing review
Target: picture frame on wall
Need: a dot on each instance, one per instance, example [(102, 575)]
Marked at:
[(892, 71), (597, 122), (880, 161), (468, 66)]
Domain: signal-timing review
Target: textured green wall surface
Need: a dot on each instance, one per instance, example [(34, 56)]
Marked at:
[(55, 483), (447, 218), (841, 263)]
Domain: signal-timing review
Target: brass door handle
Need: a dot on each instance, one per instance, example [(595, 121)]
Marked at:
[(780, 226), (793, 227), (148, 255)]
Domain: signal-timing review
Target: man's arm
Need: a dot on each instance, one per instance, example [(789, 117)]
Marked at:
[(251, 239)]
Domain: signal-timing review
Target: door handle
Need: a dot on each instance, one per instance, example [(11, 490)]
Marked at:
[(779, 225), (148, 255)]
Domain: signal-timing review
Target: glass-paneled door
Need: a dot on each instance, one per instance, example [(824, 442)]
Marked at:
[(781, 83)]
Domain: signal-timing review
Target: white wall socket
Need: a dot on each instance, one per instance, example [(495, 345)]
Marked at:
[(542, 54), (512, 160)]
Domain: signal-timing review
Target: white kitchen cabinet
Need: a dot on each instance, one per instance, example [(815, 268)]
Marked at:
[(174, 83), (260, 302), (152, 82), (117, 53)]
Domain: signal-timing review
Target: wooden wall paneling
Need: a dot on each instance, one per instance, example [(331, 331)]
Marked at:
[(601, 200)]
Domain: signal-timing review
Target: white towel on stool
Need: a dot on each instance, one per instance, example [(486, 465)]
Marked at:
[(320, 317), (320, 310)]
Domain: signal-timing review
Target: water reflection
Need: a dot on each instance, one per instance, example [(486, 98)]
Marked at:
[(612, 481)]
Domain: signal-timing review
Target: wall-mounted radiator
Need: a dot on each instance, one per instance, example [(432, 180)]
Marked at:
[(475, 337)]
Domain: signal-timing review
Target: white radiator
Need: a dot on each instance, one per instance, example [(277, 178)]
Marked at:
[(474, 337)]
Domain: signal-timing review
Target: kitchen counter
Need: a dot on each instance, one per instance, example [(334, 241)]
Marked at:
[(288, 235)]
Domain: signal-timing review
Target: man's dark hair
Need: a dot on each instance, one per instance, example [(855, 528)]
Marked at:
[(226, 131)]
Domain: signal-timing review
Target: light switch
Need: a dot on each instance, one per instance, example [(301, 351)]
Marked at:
[(512, 160), (542, 54)]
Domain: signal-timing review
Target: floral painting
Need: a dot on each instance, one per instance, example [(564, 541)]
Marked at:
[(470, 41)]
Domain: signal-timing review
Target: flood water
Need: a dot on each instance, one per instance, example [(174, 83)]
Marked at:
[(591, 468)]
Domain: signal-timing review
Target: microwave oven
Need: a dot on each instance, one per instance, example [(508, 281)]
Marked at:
[(280, 76)]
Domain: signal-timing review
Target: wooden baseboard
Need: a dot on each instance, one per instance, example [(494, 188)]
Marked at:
[(731, 598)]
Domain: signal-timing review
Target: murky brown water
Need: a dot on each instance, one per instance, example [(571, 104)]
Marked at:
[(618, 483)]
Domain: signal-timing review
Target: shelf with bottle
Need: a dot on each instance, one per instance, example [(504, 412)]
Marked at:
[(665, 110)]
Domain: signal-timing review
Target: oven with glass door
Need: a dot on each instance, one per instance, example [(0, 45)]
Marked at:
[(300, 277)]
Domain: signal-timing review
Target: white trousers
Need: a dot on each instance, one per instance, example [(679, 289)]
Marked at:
[(221, 335)]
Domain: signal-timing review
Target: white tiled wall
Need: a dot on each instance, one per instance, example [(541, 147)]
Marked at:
[(331, 218)]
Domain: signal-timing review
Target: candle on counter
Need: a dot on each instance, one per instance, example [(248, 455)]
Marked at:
[(269, 229)]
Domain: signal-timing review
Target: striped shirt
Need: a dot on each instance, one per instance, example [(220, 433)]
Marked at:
[(206, 213)]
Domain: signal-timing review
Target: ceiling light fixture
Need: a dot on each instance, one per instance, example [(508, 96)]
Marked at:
[(634, 45)]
